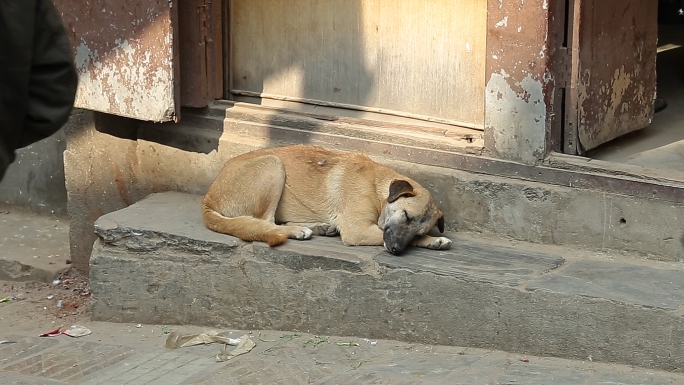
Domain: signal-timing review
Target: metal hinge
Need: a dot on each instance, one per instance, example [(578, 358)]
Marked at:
[(204, 10), (564, 71)]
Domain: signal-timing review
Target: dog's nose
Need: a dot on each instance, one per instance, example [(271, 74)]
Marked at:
[(395, 249)]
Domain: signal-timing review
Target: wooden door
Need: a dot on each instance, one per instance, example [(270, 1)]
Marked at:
[(614, 69), (423, 60)]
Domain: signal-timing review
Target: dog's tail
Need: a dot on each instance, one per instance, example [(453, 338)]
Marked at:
[(246, 228)]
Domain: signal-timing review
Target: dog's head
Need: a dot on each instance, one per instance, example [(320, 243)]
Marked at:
[(409, 212)]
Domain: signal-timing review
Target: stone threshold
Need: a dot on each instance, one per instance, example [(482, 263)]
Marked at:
[(156, 263)]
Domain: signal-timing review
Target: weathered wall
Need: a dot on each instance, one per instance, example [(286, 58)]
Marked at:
[(111, 163), (101, 175), (36, 178), (518, 91)]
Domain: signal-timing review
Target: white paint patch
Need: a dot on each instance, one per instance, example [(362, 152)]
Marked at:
[(468, 47), (129, 80), (517, 118), (502, 23)]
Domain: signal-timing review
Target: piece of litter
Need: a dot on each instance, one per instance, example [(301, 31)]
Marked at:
[(317, 340), (346, 344), (289, 336), (366, 340), (56, 282), (177, 340), (50, 296), (245, 346), (525, 360), (3, 342), (51, 333), (77, 331), (59, 304), (6, 299), (138, 325)]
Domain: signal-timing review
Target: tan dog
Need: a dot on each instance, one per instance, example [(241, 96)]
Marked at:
[(273, 194)]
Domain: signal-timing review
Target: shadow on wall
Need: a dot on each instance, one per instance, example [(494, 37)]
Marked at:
[(292, 51), (36, 178)]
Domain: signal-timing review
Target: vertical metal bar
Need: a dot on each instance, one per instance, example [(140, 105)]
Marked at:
[(570, 117), (227, 49)]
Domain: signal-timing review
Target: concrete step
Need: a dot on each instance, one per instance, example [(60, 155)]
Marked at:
[(155, 262)]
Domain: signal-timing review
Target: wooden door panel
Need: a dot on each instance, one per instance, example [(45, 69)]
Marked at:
[(617, 41), (419, 59)]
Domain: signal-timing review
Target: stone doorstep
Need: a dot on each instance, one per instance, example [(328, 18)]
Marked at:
[(155, 262)]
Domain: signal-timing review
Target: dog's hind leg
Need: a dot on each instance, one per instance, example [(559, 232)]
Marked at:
[(243, 201)]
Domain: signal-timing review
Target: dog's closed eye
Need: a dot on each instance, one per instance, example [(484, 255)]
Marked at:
[(408, 219)]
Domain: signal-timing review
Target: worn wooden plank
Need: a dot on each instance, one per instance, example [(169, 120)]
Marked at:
[(616, 74), (201, 51), (426, 58)]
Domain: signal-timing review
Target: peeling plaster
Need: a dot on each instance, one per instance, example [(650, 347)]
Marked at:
[(619, 94), (613, 92), (133, 78), (502, 23), (519, 122)]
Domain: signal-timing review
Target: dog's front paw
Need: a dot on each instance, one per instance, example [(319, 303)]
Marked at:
[(439, 243), (301, 233)]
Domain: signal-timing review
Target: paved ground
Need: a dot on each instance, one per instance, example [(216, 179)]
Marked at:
[(127, 354), (135, 354)]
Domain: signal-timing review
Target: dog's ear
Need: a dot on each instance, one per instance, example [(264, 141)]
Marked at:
[(440, 224), (399, 188)]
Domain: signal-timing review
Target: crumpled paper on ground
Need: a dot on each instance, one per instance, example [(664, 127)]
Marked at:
[(244, 344), (243, 347), (77, 331)]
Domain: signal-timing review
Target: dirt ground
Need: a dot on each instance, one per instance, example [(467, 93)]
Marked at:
[(35, 305)]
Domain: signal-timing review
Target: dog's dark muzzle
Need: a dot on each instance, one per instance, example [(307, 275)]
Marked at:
[(396, 241)]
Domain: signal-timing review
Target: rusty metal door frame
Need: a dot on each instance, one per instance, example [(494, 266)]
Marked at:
[(563, 135)]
